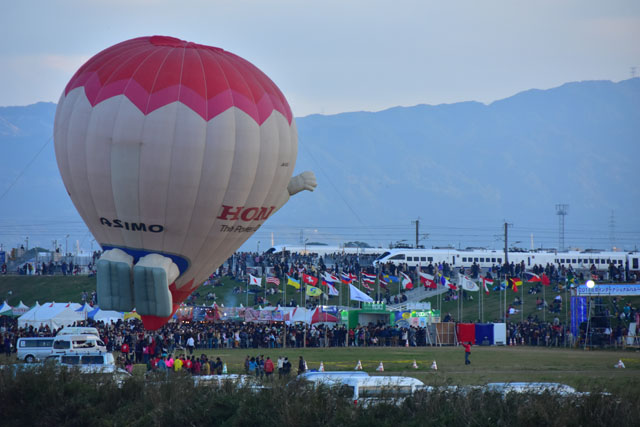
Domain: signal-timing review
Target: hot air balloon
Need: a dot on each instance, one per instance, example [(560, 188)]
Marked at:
[(174, 154)]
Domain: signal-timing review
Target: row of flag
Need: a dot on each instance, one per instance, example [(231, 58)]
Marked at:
[(427, 280)]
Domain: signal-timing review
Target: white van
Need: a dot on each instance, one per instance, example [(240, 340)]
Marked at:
[(82, 359), (70, 344), (331, 376), (33, 349), (78, 330), (366, 390)]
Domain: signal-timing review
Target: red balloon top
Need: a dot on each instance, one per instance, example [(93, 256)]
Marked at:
[(155, 71)]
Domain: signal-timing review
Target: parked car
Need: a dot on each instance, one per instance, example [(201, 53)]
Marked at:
[(366, 390), (34, 349), (532, 387), (82, 359)]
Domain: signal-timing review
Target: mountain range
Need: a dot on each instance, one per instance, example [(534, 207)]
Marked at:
[(463, 169)]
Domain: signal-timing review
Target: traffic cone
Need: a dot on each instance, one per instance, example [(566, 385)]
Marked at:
[(224, 369), (415, 365), (406, 343), (619, 364), (380, 368), (321, 368), (434, 366), (358, 366), (306, 368)]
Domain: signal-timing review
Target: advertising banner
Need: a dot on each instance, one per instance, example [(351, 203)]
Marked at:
[(609, 290)]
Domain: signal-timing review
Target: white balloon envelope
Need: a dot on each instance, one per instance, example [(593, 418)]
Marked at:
[(174, 154)]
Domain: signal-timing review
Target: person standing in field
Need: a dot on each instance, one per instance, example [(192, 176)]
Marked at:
[(268, 367), (301, 366), (467, 353)]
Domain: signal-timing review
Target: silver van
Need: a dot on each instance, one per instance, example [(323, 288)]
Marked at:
[(70, 344), (82, 359), (79, 330), (33, 349)]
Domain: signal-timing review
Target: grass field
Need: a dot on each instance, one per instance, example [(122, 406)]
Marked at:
[(581, 369)]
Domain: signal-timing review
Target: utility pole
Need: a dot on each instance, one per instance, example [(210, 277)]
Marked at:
[(561, 210), (612, 230), (506, 244), (506, 266), (417, 223), (418, 236)]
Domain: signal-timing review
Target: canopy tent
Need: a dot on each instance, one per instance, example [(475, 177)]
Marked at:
[(20, 309), (319, 316), (131, 315), (106, 316), (295, 314), (6, 309), (55, 315), (85, 308)]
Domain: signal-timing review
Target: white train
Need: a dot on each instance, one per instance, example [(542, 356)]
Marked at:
[(489, 258), (323, 250)]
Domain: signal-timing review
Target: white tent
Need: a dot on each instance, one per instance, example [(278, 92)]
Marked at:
[(108, 316), (54, 315), (5, 309), (20, 309)]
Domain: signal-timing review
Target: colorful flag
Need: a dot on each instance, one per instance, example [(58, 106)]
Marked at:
[(545, 280), (468, 284), (515, 282), (447, 284), (383, 284), (532, 277), (353, 277), (274, 280), (427, 280), (371, 278), (366, 280), (391, 278), (333, 291), (310, 280), (366, 286), (486, 283), (293, 282), (358, 295), (406, 282), (345, 278), (312, 291), (253, 280), (330, 277)]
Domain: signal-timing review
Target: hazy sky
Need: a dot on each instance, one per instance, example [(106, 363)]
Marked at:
[(336, 56)]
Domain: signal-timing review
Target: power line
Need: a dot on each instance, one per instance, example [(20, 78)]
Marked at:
[(33, 159)]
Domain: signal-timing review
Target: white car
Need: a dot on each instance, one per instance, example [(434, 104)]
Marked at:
[(366, 390), (533, 388), (82, 359)]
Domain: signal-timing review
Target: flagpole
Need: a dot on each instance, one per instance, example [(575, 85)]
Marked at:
[(506, 285), (544, 303), (340, 294), (248, 279), (284, 286), (522, 303), (480, 296)]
